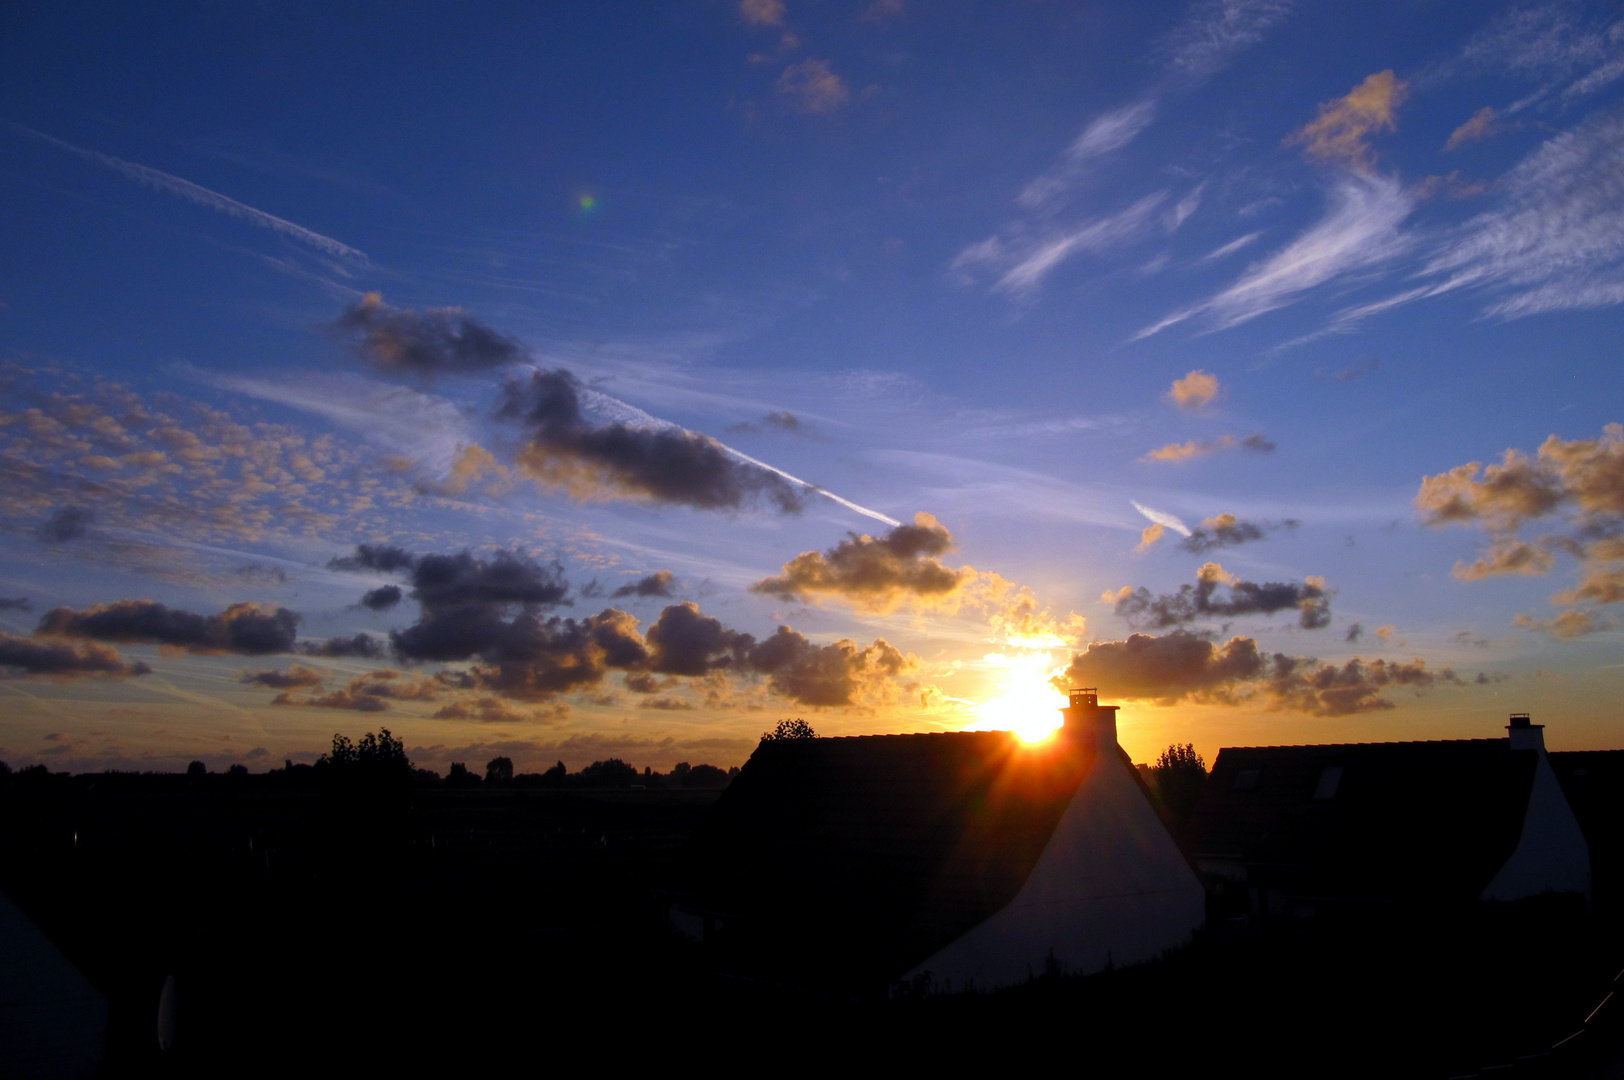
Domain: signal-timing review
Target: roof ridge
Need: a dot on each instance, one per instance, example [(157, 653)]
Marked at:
[(1338, 746)]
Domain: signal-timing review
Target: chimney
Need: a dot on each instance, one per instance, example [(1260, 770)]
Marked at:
[(1524, 735), (1086, 719)]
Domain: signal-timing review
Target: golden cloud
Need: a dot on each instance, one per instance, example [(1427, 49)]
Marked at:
[(1340, 131)]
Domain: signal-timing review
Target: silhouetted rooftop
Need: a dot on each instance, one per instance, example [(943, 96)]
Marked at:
[(851, 859), (1418, 821)]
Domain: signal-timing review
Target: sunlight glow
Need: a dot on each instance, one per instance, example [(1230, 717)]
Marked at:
[(1025, 704)]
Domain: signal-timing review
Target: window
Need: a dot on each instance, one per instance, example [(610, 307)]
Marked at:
[(1329, 778)]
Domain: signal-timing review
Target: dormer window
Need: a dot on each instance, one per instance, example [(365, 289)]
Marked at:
[(1329, 778)]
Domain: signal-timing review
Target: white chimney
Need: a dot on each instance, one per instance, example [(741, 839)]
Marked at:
[(1524, 735)]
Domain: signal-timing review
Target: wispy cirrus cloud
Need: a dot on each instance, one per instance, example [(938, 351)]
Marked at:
[(1022, 256), (1100, 137), (198, 194), (1360, 230), (1216, 30)]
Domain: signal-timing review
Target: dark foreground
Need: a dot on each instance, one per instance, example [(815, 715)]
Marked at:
[(520, 930)]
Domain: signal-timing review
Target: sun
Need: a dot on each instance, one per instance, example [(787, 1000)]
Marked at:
[(1025, 703)]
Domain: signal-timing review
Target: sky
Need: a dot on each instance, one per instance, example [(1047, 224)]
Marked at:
[(580, 381)]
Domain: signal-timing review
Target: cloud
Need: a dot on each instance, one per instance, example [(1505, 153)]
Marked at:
[(1216, 30), (1100, 137), (831, 675), (1579, 481), (65, 524), (1202, 601), (1355, 632), (684, 641), (1359, 230), (294, 677), (1508, 556), (1175, 452), (382, 598), (812, 86), (371, 692), (884, 11), (496, 711), (1556, 241), (762, 12), (364, 646), (15, 603), (659, 583), (1150, 535), (1022, 256), (1195, 391), (876, 574), (1340, 132), (1584, 474), (1181, 666), (782, 420), (1568, 624), (21, 657), (1230, 248), (174, 185), (1163, 518), (246, 629), (616, 460), (1226, 530), (1548, 43), (438, 341), (178, 473), (1482, 125)]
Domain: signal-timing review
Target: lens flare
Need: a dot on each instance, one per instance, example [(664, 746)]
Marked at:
[(1025, 702)]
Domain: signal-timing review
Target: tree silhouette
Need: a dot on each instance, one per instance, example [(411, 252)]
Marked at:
[(789, 729), (499, 771), (378, 760), (1179, 774)]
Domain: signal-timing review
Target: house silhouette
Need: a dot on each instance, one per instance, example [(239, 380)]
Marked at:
[(942, 861), (1340, 829)]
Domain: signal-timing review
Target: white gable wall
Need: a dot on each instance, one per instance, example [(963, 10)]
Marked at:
[(1551, 854), (1111, 887)]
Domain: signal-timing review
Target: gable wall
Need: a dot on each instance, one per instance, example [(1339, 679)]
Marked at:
[(1111, 887)]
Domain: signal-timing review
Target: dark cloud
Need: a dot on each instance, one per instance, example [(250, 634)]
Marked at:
[(1355, 632), (248, 629), (1226, 530), (1203, 601), (667, 704), (263, 575), (530, 658), (828, 675), (685, 642), (659, 583), (15, 603), (786, 422), (643, 683), (21, 656), (294, 677), (382, 557), (371, 692), (565, 451), (364, 646), (876, 573), (1183, 666), (438, 341), (67, 523), (382, 598)]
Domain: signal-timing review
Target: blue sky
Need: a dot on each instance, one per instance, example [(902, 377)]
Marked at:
[(703, 303)]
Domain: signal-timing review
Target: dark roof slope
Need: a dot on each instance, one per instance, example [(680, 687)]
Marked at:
[(1421, 821), (846, 861)]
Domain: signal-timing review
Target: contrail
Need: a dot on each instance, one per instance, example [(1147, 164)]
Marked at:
[(632, 416), (847, 503), (162, 181), (1162, 518)]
